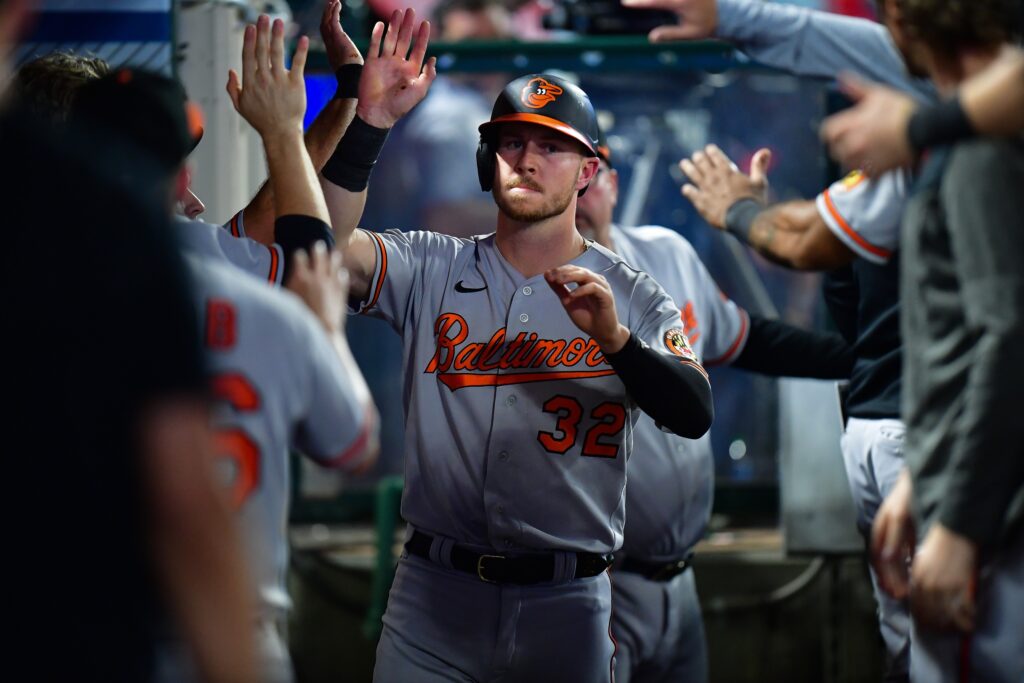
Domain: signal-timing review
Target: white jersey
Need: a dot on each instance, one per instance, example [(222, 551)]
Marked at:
[(865, 214), (279, 384), (229, 243), (518, 429), (671, 479)]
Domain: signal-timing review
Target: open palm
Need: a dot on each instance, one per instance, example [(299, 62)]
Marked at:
[(394, 79)]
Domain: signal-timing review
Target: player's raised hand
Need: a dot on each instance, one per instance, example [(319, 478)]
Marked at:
[(321, 282), (269, 96), (340, 48), (590, 305), (892, 539), (716, 183), (394, 79), (872, 135), (697, 19)]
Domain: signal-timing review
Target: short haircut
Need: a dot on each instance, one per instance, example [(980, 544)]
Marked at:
[(47, 86), (947, 26)]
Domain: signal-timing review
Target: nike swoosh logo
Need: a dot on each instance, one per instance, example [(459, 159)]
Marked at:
[(459, 287)]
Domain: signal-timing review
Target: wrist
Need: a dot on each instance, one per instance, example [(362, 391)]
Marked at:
[(348, 76), (374, 116), (615, 342), (943, 123), (281, 135), (739, 217)]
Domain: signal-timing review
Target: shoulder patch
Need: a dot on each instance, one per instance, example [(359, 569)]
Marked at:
[(676, 342), (852, 180)]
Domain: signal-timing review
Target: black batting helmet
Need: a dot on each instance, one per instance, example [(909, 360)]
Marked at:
[(544, 100)]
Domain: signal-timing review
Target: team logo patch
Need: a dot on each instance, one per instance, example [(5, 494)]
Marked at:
[(539, 93), (675, 340), (852, 180)]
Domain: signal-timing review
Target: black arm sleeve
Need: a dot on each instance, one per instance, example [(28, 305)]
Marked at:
[(675, 393), (294, 232), (775, 348)]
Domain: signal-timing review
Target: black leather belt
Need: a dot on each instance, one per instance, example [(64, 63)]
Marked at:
[(656, 571), (518, 569)]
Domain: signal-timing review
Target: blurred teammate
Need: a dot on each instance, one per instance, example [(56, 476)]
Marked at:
[(963, 324), (110, 445), (284, 375)]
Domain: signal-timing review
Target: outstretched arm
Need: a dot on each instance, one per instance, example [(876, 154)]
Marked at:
[(323, 134), (273, 100), (796, 39), (394, 80), (792, 234)]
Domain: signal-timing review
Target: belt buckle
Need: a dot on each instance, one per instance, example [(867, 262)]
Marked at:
[(670, 570), (480, 566)]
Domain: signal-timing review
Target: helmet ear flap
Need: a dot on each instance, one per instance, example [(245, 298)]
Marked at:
[(486, 161)]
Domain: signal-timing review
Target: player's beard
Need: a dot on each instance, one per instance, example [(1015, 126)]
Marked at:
[(516, 208)]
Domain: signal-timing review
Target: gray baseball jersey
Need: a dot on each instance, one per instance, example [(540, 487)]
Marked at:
[(229, 243), (279, 383), (519, 429), (865, 214), (671, 479)]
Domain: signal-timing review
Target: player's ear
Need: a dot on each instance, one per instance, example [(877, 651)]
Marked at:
[(588, 170)]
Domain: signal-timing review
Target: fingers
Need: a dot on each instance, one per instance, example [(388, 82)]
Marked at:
[(671, 33), (234, 88), (419, 50), (589, 289), (391, 37), (690, 192), (262, 50), (249, 54), (430, 72), (566, 274), (759, 166), (373, 52), (717, 158), (299, 59), (692, 172), (405, 33), (277, 47), (853, 86)]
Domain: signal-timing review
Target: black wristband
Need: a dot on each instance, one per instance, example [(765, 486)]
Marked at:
[(348, 81), (941, 124), (740, 217), (295, 231), (354, 157)]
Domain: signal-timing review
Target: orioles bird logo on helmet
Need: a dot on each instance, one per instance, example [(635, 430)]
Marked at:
[(538, 93)]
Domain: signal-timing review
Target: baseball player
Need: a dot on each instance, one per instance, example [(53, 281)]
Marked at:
[(527, 354), (852, 230), (657, 620), (284, 376)]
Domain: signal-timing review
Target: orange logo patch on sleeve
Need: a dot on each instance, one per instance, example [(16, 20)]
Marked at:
[(539, 93), (675, 340)]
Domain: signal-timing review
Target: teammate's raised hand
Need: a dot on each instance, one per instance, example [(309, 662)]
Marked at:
[(697, 18), (395, 80), (321, 282), (590, 305), (340, 48), (269, 96), (716, 183)]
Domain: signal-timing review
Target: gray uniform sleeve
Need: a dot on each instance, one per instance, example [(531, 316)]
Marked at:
[(866, 214), (657, 323), (982, 196), (338, 425), (410, 265), (813, 43)]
